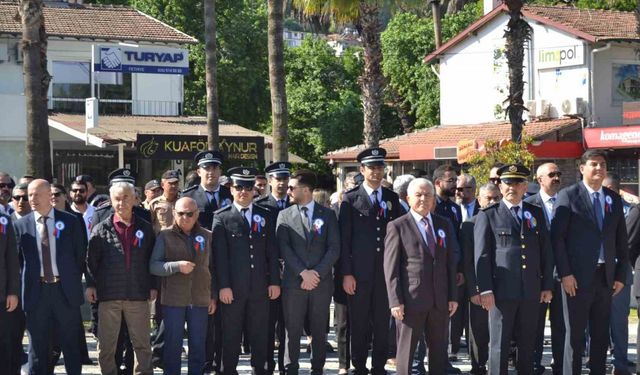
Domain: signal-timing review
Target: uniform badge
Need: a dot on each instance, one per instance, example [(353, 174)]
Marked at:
[(317, 226), (608, 204), (389, 205), (258, 223), (3, 225), (442, 238), (200, 243), (58, 228), (138, 240)]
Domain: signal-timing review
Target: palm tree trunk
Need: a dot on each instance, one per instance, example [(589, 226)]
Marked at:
[(517, 34), (371, 80), (36, 86), (437, 22), (211, 64), (279, 112)]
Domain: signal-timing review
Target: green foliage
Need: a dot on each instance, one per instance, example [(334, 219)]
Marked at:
[(505, 152), (622, 5), (406, 41)]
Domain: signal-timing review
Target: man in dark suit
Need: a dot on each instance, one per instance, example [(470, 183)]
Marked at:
[(278, 176), (589, 237), (246, 270), (478, 317), (210, 195), (548, 177), (420, 276), (514, 270), (633, 227), (10, 352), (309, 240), (364, 214), (53, 260)]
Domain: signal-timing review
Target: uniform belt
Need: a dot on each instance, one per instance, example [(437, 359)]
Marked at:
[(56, 279)]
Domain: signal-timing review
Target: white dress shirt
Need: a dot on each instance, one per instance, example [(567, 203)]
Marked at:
[(247, 214), (52, 241), (310, 206), (548, 205), (418, 219), (370, 191)]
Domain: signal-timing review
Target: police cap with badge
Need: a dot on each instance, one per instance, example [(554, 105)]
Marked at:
[(122, 175), (279, 169), (243, 176), (209, 157), (171, 175), (513, 173), (151, 185), (372, 156)]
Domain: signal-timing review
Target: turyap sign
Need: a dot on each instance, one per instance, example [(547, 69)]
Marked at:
[(560, 57), (141, 59), (184, 147)]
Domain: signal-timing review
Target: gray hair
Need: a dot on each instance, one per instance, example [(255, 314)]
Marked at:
[(419, 182), (401, 183), (469, 179), (489, 187), (120, 186)]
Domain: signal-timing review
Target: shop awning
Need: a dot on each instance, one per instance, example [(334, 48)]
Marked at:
[(612, 137)]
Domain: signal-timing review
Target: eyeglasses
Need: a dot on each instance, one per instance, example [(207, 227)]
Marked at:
[(20, 197), (448, 181), (81, 191), (461, 189), (495, 180), (512, 183), (554, 174), (291, 188), (243, 188), (185, 213), (4, 186), (57, 194)]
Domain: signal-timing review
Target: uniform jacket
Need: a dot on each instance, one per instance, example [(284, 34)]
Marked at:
[(245, 260), (300, 249), (515, 262), (9, 264), (70, 258), (270, 202), (207, 208), (469, 258), (576, 236), (362, 232), (633, 228), (414, 278)]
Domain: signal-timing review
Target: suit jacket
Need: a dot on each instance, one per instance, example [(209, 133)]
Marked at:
[(469, 259), (633, 228), (245, 260), (105, 211), (207, 208), (362, 232), (413, 276), (301, 250), (537, 200), (576, 236), (9, 263), (70, 258), (514, 261)]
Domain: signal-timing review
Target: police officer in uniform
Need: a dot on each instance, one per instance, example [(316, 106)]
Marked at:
[(514, 269), (162, 207), (364, 214), (278, 174), (210, 195), (246, 270)]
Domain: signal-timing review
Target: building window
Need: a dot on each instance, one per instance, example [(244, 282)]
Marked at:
[(114, 92)]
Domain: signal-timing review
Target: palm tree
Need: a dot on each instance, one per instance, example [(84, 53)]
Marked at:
[(211, 64), (36, 85), (279, 111), (517, 34)]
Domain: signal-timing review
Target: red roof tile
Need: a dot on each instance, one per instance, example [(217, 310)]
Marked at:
[(96, 22), (451, 134)]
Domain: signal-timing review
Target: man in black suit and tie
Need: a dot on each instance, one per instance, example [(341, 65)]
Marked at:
[(548, 176), (478, 317), (10, 314), (589, 237), (278, 176), (420, 276), (52, 255), (309, 240), (514, 270), (246, 270), (364, 214)]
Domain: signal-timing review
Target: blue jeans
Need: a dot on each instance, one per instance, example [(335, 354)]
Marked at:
[(174, 319)]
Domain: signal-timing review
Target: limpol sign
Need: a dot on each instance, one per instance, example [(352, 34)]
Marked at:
[(560, 57), (141, 59)]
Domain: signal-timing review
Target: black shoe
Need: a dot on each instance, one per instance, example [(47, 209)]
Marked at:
[(538, 370), (87, 361), (453, 358), (479, 371), (330, 348), (452, 370)]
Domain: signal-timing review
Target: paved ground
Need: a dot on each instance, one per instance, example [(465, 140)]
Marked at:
[(463, 362)]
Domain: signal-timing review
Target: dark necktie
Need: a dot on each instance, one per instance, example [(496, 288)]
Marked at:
[(46, 250), (597, 210), (376, 203), (431, 242), (244, 216), (212, 199), (514, 211), (552, 202), (305, 218), (281, 204)]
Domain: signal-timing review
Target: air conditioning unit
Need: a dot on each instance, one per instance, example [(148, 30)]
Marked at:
[(574, 106), (544, 108), (532, 112)]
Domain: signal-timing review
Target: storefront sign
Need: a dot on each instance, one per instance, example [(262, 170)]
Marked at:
[(185, 147), (614, 137), (466, 149), (141, 59), (560, 57), (631, 113)]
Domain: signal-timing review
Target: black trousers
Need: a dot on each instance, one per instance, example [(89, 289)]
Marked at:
[(341, 319), (507, 317), (459, 320), (15, 322), (590, 307), (213, 343), (312, 306), (6, 342), (255, 310), (478, 336), (556, 320), (276, 329), (369, 318), (434, 324)]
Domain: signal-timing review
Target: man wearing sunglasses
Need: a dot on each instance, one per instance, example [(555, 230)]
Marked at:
[(78, 193), (152, 190), (20, 201), (514, 269), (6, 186), (548, 177), (246, 270)]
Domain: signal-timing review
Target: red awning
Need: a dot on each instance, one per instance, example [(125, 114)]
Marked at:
[(612, 137)]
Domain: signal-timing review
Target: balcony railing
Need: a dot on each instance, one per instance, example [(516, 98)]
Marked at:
[(119, 107)]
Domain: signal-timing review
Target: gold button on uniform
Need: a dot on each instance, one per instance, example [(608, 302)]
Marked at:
[(524, 256), (524, 266)]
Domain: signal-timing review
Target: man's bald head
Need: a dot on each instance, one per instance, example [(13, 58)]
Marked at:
[(186, 203), (40, 196), (185, 214)]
